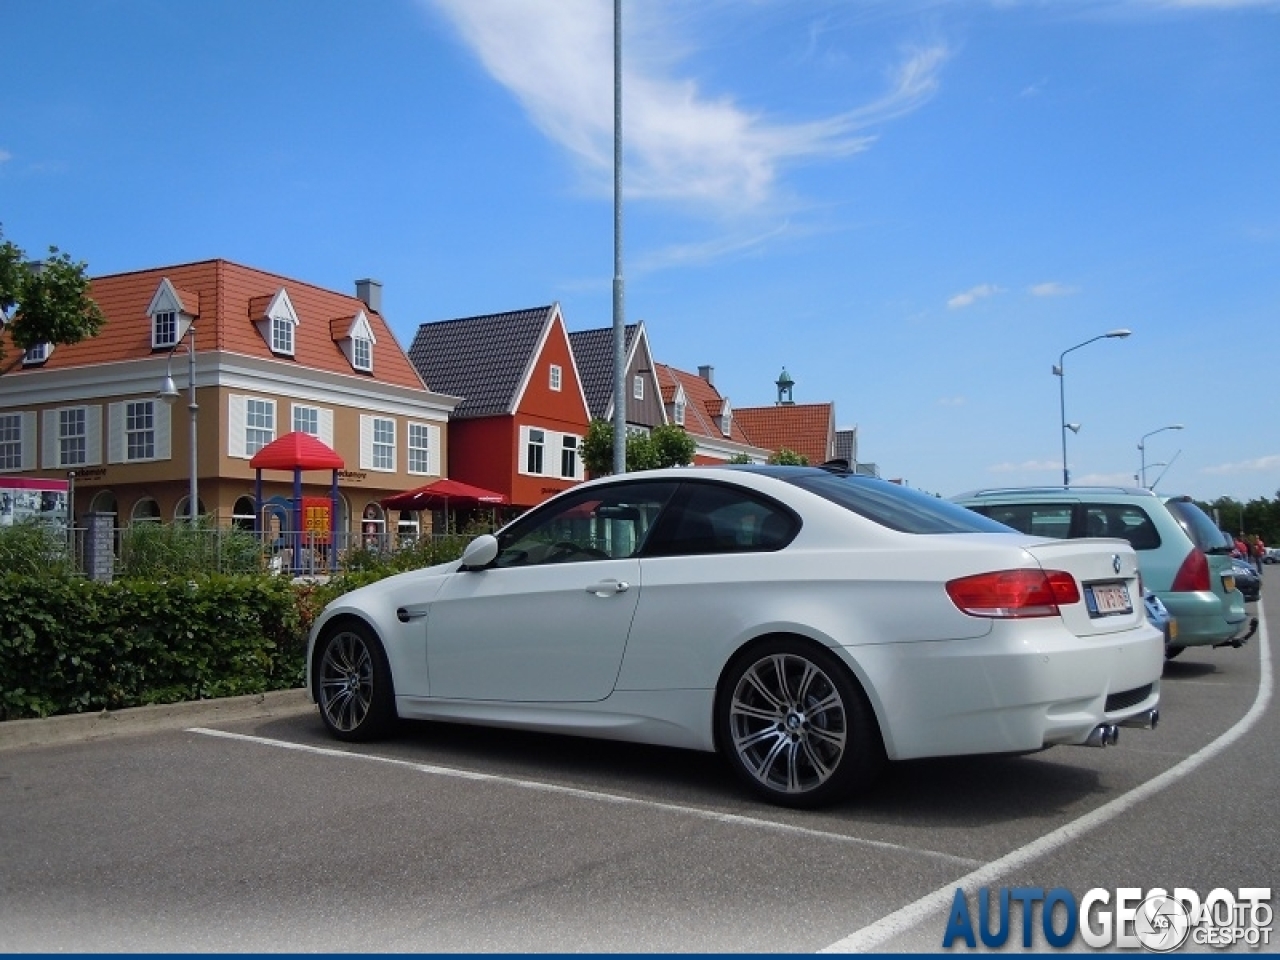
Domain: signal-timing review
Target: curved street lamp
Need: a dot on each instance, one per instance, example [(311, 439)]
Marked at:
[(1142, 448), (169, 394), (1060, 372)]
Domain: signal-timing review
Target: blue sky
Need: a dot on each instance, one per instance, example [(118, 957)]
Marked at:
[(915, 206)]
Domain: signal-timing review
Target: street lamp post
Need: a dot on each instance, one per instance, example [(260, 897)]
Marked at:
[(1060, 372), (1142, 447), (169, 394)]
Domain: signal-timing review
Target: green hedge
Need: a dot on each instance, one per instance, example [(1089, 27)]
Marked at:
[(69, 645)]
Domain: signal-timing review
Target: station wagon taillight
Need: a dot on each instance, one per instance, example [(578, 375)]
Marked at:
[(1193, 574), (1014, 593)]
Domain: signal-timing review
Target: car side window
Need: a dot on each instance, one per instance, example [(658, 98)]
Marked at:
[(1038, 519), (1126, 521), (598, 523), (717, 518)]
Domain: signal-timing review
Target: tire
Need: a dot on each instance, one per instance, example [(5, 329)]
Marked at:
[(795, 726), (1171, 651), (353, 683)]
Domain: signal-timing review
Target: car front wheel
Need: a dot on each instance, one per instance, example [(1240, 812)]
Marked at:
[(796, 727), (353, 683)]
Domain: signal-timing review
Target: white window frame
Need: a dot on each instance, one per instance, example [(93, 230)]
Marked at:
[(570, 456), (282, 336), (362, 354), (118, 431), (37, 354), (140, 441), (637, 386), (535, 449), (259, 424), (376, 453), (17, 441), (543, 453), (164, 328), (422, 449), (53, 445), (557, 377)]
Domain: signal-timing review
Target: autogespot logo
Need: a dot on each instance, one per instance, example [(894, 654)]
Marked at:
[(1128, 917)]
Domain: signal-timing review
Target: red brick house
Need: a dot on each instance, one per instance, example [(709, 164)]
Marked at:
[(519, 428)]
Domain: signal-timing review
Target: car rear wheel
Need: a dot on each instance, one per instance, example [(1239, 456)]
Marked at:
[(796, 727), (353, 683)]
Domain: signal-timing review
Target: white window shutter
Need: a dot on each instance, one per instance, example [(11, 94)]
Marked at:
[(522, 452), (164, 431), (93, 435), (28, 426), (237, 424), (115, 433), (49, 440), (366, 442), (325, 422), (433, 451)]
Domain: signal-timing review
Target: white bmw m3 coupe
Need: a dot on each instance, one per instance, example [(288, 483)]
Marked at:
[(806, 623)]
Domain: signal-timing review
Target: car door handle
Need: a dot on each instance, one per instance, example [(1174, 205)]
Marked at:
[(607, 588)]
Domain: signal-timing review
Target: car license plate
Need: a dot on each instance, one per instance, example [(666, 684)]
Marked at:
[(1228, 583), (1173, 629), (1108, 599)]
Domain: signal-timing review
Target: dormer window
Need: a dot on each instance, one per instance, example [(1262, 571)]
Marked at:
[(281, 335), (362, 353), (276, 321), (172, 311), (355, 338), (726, 418), (677, 408), (165, 328), (36, 354)]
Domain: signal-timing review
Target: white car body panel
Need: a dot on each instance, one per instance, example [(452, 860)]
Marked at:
[(531, 647)]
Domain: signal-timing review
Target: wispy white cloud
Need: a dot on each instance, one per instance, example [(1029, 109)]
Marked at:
[(682, 144), (972, 296), (5, 155), (1052, 289), (1269, 463), (1026, 466), (956, 401)]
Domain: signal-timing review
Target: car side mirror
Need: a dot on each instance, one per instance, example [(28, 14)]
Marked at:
[(480, 552)]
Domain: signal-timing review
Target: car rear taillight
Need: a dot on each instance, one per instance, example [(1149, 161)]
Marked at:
[(1014, 593), (1193, 574)]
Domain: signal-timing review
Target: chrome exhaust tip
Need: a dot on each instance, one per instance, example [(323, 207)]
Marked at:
[(1146, 720), (1103, 735)]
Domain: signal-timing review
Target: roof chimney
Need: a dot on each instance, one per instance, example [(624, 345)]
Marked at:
[(708, 374), (370, 291)]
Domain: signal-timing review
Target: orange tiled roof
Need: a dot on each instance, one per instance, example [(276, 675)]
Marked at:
[(704, 404), (228, 297), (806, 428)]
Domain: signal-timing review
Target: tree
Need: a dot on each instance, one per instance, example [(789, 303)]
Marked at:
[(739, 458), (665, 446), (789, 458), (51, 297)]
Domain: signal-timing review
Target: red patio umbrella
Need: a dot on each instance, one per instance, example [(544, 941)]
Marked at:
[(439, 494)]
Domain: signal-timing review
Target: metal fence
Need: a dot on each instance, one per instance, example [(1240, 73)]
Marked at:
[(165, 549)]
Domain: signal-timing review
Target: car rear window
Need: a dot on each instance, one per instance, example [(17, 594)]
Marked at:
[(1204, 533), (896, 507)]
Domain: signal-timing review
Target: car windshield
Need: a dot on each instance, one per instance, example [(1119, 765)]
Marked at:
[(893, 506), (1204, 533)]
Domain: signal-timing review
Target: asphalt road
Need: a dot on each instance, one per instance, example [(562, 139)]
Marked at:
[(266, 835)]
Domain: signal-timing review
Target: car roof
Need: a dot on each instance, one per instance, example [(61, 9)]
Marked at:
[(1048, 492)]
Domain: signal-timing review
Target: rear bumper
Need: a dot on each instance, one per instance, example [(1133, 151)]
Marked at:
[(1012, 690), (1204, 618)]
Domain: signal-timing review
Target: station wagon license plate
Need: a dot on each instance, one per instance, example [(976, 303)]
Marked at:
[(1107, 599)]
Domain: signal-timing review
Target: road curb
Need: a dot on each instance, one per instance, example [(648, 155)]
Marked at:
[(166, 716)]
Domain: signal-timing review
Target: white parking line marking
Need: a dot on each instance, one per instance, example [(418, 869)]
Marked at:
[(717, 816), (900, 921)]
